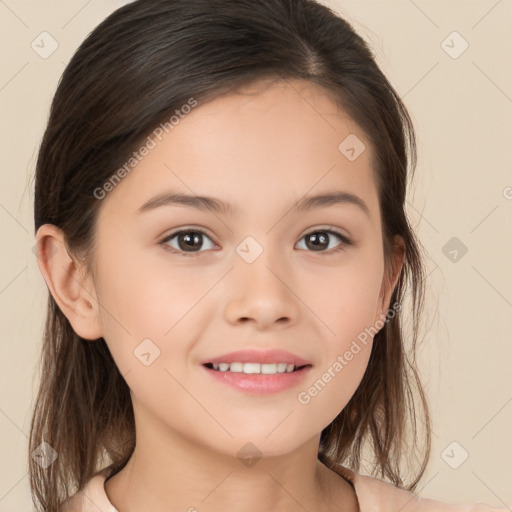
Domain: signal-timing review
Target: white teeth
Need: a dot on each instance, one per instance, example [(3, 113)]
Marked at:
[(236, 367), (267, 369), (252, 368)]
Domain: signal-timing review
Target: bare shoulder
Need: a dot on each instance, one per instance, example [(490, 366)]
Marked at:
[(426, 505), (73, 504), (343, 491), (376, 495)]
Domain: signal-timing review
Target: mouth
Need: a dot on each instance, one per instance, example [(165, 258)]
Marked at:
[(258, 378), (258, 372), (255, 368)]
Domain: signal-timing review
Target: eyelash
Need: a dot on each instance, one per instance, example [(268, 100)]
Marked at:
[(341, 247)]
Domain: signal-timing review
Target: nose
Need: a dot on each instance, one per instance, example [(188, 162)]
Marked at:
[(262, 295)]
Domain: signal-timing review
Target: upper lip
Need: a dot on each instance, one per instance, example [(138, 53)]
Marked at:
[(259, 356)]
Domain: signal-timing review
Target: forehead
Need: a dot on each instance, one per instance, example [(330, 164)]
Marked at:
[(270, 141)]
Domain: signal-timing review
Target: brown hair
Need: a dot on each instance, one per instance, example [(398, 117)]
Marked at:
[(131, 73)]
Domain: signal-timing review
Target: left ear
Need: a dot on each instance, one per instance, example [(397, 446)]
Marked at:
[(391, 274)]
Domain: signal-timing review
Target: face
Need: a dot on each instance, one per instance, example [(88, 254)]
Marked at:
[(258, 275)]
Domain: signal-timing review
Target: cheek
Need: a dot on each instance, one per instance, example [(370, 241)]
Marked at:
[(156, 311), (143, 299), (332, 386), (346, 301), (346, 298), (350, 316)]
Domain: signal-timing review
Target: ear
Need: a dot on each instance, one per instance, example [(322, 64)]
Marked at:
[(73, 292), (391, 275)]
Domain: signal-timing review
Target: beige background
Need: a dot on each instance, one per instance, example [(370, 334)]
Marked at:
[(462, 109)]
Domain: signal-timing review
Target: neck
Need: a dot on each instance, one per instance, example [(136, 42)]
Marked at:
[(181, 475)]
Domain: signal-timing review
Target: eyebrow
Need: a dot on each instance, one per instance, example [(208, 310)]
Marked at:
[(206, 203)]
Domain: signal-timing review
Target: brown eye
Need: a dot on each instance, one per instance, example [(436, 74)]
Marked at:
[(188, 241), (319, 241)]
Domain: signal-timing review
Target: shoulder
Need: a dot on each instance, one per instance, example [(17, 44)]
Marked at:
[(92, 498), (375, 495), (73, 504)]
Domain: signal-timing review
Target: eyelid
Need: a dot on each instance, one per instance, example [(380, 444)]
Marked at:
[(328, 228), (190, 227)]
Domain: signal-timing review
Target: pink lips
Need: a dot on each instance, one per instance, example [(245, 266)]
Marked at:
[(258, 356), (258, 383)]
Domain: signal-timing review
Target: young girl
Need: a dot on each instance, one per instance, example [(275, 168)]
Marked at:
[(219, 212)]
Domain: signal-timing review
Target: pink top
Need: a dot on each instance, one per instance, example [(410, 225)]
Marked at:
[(373, 495)]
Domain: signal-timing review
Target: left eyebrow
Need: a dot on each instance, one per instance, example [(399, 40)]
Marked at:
[(206, 203), (328, 199)]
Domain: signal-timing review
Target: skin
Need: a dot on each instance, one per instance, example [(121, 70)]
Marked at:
[(260, 151)]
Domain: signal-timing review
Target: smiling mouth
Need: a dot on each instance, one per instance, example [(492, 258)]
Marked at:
[(255, 368)]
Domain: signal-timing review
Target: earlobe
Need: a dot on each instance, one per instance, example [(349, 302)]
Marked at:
[(64, 277)]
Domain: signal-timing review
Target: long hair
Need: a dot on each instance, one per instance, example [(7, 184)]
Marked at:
[(132, 73)]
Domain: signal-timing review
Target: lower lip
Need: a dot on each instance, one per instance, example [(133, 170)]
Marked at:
[(259, 383)]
